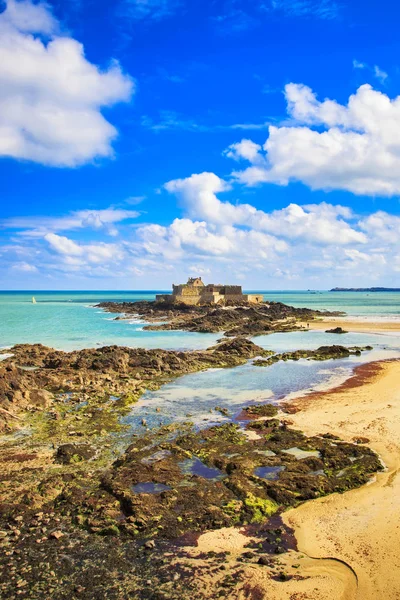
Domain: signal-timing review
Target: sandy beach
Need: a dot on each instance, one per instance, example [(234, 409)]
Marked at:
[(351, 324), (361, 527), (347, 543)]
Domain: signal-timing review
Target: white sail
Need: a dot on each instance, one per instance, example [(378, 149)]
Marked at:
[(33, 300)]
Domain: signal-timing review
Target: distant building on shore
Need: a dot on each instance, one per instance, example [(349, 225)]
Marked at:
[(195, 292)]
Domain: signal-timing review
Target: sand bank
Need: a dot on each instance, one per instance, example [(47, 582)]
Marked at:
[(348, 543), (351, 324)]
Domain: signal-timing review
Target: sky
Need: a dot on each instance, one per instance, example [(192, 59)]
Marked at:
[(252, 142)]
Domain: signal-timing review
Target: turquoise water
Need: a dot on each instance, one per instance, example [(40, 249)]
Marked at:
[(67, 320), (195, 397), (70, 321)]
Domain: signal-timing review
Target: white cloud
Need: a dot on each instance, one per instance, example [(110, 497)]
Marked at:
[(38, 226), (247, 150), (359, 65), (24, 15), (316, 245), (382, 227), (377, 72), (24, 267), (91, 253), (50, 95), (359, 150), (185, 238), (321, 223), (380, 74)]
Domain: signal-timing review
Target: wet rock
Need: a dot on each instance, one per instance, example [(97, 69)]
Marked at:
[(56, 535), (95, 374), (74, 453), (338, 330), (261, 410), (322, 353), (222, 410), (265, 561)]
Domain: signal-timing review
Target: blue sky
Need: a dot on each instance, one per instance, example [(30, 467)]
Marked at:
[(253, 142)]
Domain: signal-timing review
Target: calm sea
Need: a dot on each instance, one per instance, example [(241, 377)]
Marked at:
[(69, 320)]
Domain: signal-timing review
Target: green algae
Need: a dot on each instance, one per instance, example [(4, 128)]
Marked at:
[(260, 508)]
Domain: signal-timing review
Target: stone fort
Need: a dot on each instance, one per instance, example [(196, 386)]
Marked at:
[(195, 292)]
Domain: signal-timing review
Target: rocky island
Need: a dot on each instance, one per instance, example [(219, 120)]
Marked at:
[(238, 319)]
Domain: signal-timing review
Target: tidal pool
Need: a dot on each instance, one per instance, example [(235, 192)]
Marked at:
[(299, 454), (150, 488), (271, 473), (194, 466)]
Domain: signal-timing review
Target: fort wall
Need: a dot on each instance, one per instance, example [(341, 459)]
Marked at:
[(195, 293)]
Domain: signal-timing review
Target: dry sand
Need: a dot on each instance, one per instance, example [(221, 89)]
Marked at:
[(349, 324), (348, 543)]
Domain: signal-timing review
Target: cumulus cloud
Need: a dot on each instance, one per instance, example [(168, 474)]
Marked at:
[(194, 239), (320, 223), (91, 253), (305, 246), (382, 227), (50, 95), (353, 147)]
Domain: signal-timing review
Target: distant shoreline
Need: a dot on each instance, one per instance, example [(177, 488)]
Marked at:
[(371, 289)]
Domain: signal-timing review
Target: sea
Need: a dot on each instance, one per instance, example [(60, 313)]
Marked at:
[(72, 321)]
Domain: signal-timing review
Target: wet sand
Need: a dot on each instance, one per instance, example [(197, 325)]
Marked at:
[(348, 544)]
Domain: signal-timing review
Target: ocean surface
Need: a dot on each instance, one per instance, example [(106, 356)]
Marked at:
[(70, 320)]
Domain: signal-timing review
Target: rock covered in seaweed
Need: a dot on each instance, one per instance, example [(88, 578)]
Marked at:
[(321, 353)]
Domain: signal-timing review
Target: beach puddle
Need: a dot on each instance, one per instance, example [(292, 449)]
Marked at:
[(265, 452), (194, 466), (150, 488), (271, 473), (299, 454)]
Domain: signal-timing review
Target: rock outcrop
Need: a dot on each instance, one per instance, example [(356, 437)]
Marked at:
[(244, 319), (35, 375)]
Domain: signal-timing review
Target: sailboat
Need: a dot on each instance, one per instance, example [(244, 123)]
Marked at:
[(33, 300)]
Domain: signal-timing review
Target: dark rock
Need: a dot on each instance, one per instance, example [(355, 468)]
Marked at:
[(73, 453), (241, 319)]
